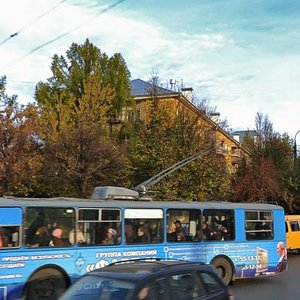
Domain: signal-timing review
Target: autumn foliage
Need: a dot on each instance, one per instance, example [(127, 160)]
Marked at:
[(77, 136), (259, 183)]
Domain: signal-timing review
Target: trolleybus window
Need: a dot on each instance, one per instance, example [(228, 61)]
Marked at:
[(10, 224), (48, 226), (218, 225), (259, 225), (9, 236), (98, 226), (183, 225), (144, 226)]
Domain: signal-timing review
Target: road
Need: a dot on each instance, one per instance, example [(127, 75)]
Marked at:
[(285, 286)]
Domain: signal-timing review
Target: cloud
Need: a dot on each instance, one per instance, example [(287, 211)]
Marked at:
[(243, 65)]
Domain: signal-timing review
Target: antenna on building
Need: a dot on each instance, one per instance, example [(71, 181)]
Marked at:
[(172, 84)]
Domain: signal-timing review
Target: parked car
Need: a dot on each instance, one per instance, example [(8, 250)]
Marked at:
[(150, 280)]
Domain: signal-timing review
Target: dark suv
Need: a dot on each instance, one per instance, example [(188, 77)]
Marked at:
[(150, 280)]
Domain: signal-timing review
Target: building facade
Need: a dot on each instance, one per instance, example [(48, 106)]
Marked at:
[(145, 92)]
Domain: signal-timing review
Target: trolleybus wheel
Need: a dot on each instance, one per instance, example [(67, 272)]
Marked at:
[(224, 269), (46, 284)]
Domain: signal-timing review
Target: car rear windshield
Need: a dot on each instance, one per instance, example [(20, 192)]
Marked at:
[(100, 288)]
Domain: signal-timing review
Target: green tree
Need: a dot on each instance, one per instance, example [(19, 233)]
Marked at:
[(295, 187), (82, 65), (117, 76), (271, 159), (75, 106), (166, 138)]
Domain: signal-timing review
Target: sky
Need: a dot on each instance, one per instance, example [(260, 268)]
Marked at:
[(242, 56)]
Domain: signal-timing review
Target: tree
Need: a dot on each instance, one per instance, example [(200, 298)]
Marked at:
[(259, 183), (75, 105), (85, 64), (19, 149), (294, 185), (169, 134), (271, 159), (118, 77)]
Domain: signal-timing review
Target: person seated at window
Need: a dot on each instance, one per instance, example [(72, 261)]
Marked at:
[(176, 233), (208, 233), (142, 236), (77, 235), (57, 240), (197, 236), (263, 229), (42, 237), (179, 231), (129, 234), (110, 237), (2, 238), (172, 236), (38, 222), (119, 233), (226, 227), (148, 231)]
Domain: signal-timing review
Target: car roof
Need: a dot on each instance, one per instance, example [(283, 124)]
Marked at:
[(139, 269)]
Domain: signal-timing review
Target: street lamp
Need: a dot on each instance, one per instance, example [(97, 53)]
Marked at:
[(295, 148)]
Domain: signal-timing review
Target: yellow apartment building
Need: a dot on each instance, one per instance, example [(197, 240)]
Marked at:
[(144, 92)]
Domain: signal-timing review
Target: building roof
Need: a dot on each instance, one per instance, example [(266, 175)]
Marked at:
[(142, 88)]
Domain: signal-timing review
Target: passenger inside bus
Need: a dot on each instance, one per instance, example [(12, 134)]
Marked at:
[(57, 240), (9, 236), (172, 236), (148, 231), (226, 227), (41, 238), (197, 237), (142, 236), (263, 229), (31, 231), (77, 235), (129, 234), (176, 232), (110, 237), (208, 232), (2, 238), (97, 231), (119, 233)]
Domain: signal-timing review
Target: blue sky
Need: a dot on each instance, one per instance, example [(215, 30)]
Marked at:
[(243, 56)]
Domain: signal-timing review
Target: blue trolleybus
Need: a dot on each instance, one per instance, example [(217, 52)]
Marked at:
[(46, 244)]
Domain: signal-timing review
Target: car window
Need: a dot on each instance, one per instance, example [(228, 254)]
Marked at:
[(211, 283), (154, 290), (185, 286), (99, 288)]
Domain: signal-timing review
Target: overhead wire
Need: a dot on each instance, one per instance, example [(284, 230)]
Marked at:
[(31, 22), (102, 11)]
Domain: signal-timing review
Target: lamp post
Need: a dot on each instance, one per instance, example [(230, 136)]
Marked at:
[(295, 148)]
